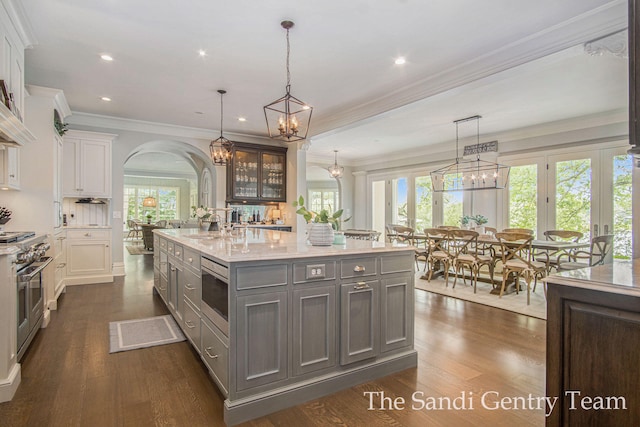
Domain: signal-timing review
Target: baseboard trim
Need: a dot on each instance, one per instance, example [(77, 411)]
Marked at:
[(118, 269), (248, 408), (90, 280), (9, 385)]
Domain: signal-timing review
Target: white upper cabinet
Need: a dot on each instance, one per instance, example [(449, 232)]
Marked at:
[(15, 36), (87, 164), (9, 168)]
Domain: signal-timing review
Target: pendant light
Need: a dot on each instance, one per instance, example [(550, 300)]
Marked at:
[(335, 171), (149, 202), (221, 149), (466, 175), (288, 118)]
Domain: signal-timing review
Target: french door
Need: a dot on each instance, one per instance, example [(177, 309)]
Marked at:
[(588, 191), (406, 200)]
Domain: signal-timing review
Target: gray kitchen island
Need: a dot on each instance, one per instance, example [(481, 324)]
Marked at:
[(279, 322)]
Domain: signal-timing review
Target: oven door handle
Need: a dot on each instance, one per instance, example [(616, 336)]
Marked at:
[(34, 273)]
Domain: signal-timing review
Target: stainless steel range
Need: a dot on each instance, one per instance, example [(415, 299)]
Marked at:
[(30, 262)]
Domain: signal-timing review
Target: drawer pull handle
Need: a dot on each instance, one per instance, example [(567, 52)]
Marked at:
[(173, 269), (190, 260), (361, 285), (359, 268), (189, 324), (87, 234), (177, 253), (211, 356), (189, 287)]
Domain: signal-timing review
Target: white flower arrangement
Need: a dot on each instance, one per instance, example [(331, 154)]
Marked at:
[(202, 212)]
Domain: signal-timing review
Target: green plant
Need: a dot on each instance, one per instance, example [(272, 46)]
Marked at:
[(319, 217), (464, 220), (480, 219), (61, 128)]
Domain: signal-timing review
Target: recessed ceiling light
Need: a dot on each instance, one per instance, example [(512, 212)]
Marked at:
[(399, 61), (106, 98), (242, 119), (305, 107), (106, 57), (202, 52)]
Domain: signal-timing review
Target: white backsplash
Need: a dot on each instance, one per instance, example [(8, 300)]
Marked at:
[(85, 213)]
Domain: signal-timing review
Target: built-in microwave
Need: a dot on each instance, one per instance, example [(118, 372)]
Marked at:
[(215, 293)]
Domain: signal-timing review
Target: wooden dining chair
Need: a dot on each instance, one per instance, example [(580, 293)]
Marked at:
[(600, 248), (560, 236), (517, 258), (518, 230), (464, 247), (438, 241)]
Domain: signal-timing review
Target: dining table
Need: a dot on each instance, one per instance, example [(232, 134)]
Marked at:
[(538, 246)]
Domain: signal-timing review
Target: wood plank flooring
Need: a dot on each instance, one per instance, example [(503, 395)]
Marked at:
[(70, 379)]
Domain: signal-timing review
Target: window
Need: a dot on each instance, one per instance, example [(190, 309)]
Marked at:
[(523, 197), (167, 202), (424, 202), (323, 199), (452, 208)]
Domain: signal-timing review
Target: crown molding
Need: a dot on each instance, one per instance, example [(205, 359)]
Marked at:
[(599, 22), (119, 123), (19, 19), (59, 100)]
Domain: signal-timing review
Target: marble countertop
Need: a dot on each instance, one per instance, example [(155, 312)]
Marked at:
[(620, 277), (262, 244), (84, 226), (15, 247)]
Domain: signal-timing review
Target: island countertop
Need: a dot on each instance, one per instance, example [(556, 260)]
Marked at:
[(620, 277), (261, 244)]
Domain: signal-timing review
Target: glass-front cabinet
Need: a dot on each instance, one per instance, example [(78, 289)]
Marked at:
[(257, 173)]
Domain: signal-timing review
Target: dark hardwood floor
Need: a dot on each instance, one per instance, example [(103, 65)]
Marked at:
[(464, 350)]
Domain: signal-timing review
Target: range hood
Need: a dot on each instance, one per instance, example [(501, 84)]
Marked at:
[(91, 200), (12, 131)]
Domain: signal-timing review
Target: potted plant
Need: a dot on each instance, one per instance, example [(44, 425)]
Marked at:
[(323, 223), (480, 221), (204, 216), (149, 218)]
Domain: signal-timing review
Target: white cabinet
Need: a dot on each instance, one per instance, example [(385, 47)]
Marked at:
[(59, 265), (87, 164), (9, 168), (88, 256)]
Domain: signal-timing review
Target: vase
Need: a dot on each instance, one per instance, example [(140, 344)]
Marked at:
[(339, 238), (321, 234), (204, 225)]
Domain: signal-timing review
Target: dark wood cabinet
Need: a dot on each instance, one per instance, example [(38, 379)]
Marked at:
[(593, 350), (257, 174)]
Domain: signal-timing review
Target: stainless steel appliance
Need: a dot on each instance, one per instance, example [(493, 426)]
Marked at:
[(30, 263), (215, 293), (15, 236)]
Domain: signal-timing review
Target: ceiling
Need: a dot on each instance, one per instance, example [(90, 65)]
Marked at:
[(463, 57)]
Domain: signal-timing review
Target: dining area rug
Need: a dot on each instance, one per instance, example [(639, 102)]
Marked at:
[(141, 333), (510, 301), (138, 250)]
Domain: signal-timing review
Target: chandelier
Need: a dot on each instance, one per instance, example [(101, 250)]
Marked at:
[(466, 175), (221, 149), (335, 171), (288, 118)]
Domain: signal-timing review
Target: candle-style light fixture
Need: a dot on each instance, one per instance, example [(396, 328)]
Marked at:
[(334, 170), (465, 175), (220, 149), (288, 118)]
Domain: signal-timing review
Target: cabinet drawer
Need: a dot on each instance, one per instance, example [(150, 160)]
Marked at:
[(358, 267), (163, 243), (261, 276), (192, 259), (89, 234), (304, 272), (396, 263), (192, 288), (215, 354), (170, 247), (192, 325), (178, 251)]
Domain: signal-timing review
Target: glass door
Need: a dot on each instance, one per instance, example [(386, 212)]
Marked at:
[(615, 200), (423, 203)]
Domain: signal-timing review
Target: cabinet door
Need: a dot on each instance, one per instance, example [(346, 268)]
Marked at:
[(262, 339), (244, 174), (273, 176), (396, 312), (85, 258), (359, 321), (95, 168), (172, 290), (314, 329), (13, 167), (70, 173)]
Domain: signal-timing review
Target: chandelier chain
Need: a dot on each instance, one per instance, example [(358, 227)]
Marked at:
[(221, 114), (288, 54)]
